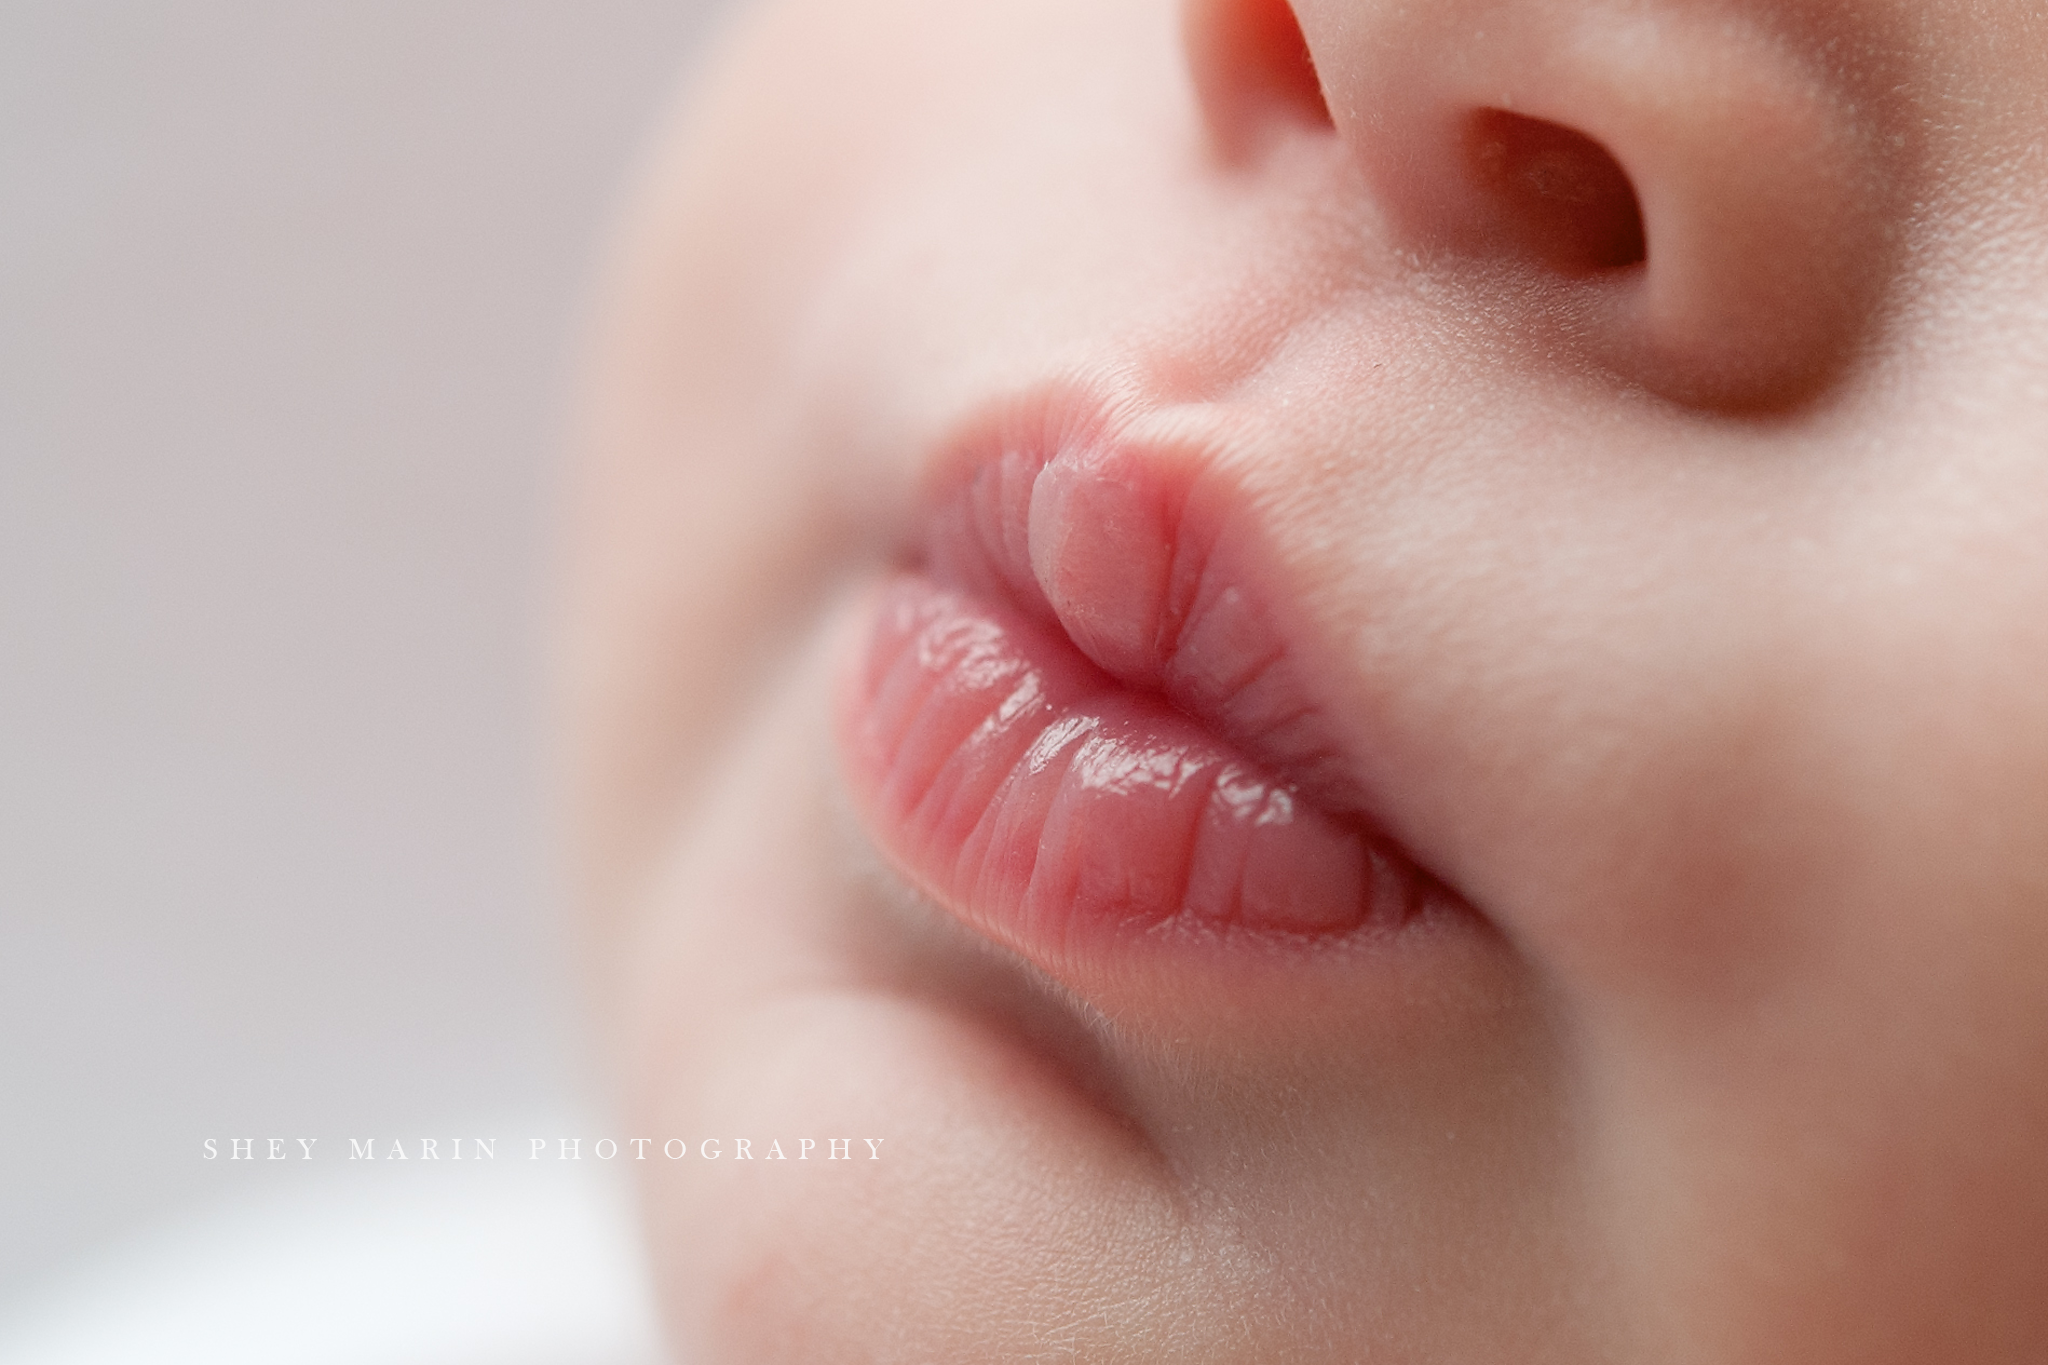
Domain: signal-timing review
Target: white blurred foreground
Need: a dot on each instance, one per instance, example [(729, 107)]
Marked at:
[(506, 1262)]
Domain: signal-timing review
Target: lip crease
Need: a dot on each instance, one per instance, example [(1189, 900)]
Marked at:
[(1079, 728)]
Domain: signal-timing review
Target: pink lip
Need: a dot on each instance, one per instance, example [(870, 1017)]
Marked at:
[(1079, 728)]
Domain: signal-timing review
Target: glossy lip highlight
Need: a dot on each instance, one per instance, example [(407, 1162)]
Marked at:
[(1078, 728)]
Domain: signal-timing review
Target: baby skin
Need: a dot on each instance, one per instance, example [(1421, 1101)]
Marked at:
[(1366, 677)]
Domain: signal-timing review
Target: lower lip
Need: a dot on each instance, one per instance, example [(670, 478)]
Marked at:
[(1057, 811)]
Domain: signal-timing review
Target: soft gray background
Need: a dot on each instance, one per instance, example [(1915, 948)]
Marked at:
[(285, 298)]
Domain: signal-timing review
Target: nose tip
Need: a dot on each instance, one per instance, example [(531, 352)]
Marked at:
[(1701, 179)]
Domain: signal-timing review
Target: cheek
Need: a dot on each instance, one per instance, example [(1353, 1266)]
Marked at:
[(1842, 1155), (1791, 872)]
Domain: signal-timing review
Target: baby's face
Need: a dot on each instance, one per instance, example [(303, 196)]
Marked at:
[(1374, 690)]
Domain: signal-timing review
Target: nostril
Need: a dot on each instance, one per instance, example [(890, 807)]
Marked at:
[(1700, 203), (1564, 198)]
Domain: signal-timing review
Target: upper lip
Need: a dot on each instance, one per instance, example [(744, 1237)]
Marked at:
[(1122, 523)]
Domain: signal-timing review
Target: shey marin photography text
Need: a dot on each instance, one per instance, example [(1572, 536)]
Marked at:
[(541, 1149)]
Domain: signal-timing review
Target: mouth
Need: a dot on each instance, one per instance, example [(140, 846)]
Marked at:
[(1085, 725)]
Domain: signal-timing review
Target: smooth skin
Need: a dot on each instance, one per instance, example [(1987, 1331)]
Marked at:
[(1677, 602)]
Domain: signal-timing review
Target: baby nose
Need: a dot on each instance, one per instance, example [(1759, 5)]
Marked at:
[(1701, 186)]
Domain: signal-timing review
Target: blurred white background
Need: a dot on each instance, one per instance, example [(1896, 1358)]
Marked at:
[(287, 295)]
